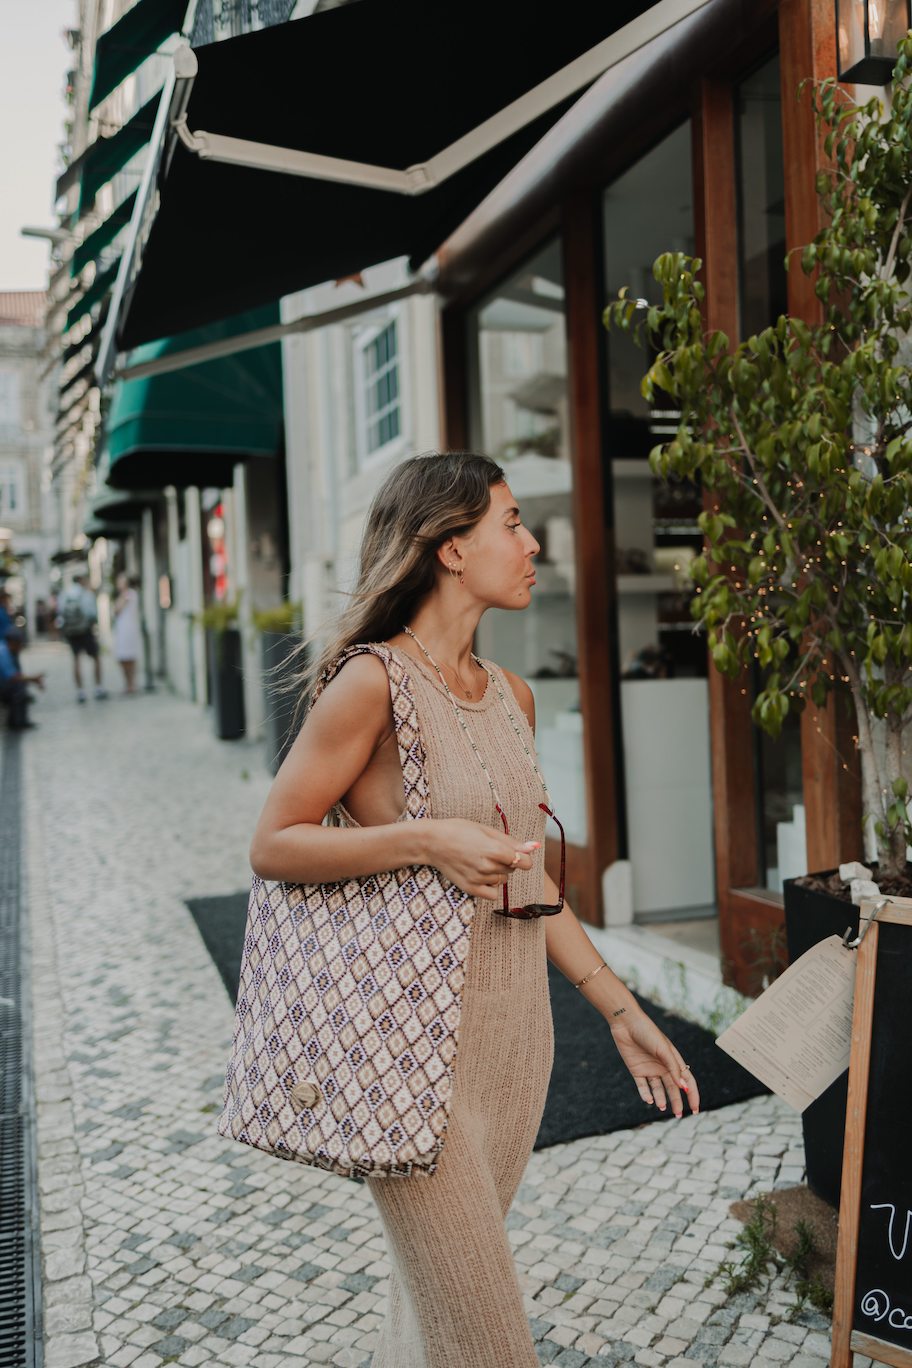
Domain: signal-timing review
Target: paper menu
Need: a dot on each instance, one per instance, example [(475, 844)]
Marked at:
[(796, 1037)]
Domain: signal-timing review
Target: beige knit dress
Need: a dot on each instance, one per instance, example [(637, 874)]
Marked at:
[(455, 1300)]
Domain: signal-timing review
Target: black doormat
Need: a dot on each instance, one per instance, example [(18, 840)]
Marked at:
[(591, 1092)]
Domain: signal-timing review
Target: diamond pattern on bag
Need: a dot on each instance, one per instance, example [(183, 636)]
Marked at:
[(352, 989)]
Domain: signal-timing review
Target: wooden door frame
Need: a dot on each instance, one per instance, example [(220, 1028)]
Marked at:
[(829, 760), (731, 728)]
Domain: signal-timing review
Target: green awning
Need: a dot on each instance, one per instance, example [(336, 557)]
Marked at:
[(107, 156), (108, 527), (135, 36), (96, 291), (104, 234), (119, 505), (192, 426)]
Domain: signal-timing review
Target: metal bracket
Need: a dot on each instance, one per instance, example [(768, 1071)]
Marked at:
[(863, 930)]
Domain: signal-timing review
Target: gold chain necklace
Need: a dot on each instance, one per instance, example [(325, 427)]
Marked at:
[(469, 693), (462, 721)]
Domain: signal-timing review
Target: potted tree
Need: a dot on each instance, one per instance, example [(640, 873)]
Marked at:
[(802, 434), (280, 637), (225, 666)]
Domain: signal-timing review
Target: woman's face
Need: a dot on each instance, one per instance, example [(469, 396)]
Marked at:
[(497, 554)]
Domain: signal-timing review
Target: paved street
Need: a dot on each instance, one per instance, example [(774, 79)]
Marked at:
[(164, 1243)]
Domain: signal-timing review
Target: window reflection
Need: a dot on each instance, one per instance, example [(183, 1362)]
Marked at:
[(520, 419), (761, 199), (763, 297), (664, 693)]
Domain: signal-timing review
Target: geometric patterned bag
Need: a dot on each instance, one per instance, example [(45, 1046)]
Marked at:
[(347, 1017)]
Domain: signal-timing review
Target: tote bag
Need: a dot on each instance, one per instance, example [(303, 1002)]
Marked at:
[(347, 1016)]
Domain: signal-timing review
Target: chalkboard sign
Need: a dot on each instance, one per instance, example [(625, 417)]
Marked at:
[(873, 1303)]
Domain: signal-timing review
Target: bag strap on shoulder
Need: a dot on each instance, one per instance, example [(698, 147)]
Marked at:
[(405, 718)]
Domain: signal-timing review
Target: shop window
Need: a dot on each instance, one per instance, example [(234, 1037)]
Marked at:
[(663, 663), (761, 198), (762, 298), (378, 389), (780, 806), (519, 416)]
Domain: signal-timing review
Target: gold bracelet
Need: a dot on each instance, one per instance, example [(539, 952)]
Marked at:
[(582, 981)]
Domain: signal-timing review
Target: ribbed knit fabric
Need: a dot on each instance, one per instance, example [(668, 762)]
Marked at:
[(455, 1300)]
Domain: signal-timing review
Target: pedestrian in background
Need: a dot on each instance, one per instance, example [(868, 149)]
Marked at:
[(11, 625), (14, 689), (6, 620), (127, 629), (77, 618), (444, 542)]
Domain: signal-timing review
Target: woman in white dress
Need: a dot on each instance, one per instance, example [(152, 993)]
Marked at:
[(127, 632)]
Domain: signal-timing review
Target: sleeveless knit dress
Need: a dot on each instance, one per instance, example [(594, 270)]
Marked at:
[(455, 1300)]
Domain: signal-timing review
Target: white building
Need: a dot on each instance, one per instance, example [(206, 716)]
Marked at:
[(29, 514), (360, 396)]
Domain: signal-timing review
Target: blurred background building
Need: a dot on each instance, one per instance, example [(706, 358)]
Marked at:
[(29, 509)]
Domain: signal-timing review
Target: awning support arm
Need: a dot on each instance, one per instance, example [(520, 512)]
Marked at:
[(260, 337), (423, 176)]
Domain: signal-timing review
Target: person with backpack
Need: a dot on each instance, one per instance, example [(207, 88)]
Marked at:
[(77, 616)]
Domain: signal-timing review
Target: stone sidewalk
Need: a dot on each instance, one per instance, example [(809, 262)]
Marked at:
[(163, 1243)]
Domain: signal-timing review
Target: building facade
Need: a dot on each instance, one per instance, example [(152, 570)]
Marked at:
[(29, 512)]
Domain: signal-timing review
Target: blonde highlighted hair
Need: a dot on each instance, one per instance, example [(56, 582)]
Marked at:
[(421, 504)]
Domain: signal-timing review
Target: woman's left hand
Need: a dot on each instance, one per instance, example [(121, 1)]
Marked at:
[(658, 1070)]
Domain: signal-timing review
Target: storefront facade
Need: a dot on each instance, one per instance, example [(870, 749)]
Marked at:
[(678, 809)]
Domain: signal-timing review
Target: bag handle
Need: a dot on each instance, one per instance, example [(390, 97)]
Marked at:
[(405, 718)]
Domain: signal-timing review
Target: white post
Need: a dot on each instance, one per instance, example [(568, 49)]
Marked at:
[(177, 656), (149, 601), (250, 642), (300, 492), (193, 603)]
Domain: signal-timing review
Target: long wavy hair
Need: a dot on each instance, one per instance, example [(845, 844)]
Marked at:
[(423, 502)]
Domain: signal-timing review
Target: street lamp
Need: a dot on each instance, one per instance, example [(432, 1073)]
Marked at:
[(868, 33)]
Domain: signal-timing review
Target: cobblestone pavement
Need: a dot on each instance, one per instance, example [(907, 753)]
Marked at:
[(164, 1243)]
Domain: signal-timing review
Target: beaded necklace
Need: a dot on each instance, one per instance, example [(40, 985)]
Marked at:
[(465, 726)]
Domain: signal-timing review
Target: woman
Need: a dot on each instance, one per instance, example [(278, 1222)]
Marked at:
[(127, 634), (444, 542)]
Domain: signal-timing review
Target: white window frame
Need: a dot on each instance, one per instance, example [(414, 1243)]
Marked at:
[(363, 338), (11, 397), (12, 479)]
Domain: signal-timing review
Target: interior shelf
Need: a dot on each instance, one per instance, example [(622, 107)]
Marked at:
[(646, 584)]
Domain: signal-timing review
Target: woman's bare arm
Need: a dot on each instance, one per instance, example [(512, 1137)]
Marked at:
[(343, 730), (345, 727), (654, 1063)]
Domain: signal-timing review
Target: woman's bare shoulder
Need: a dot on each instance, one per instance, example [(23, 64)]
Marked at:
[(359, 692), (521, 692)]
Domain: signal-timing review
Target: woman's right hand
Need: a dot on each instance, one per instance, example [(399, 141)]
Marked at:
[(475, 857)]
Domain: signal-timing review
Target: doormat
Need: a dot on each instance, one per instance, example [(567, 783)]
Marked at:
[(591, 1092)]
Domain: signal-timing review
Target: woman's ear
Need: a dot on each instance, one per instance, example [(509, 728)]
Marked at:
[(449, 555)]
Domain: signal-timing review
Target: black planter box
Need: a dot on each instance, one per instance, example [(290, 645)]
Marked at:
[(226, 683), (812, 916), (278, 705)]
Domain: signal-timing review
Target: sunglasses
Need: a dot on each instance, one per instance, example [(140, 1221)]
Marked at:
[(536, 909)]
